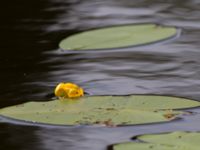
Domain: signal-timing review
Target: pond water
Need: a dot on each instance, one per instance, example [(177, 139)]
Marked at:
[(32, 64)]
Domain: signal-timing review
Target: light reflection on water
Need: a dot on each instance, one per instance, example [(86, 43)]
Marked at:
[(37, 65)]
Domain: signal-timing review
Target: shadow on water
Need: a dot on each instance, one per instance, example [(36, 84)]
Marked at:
[(31, 65)]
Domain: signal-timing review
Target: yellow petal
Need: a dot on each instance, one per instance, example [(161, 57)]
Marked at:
[(71, 85), (81, 92), (59, 89), (68, 90), (74, 93)]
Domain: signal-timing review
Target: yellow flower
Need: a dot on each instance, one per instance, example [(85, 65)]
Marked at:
[(68, 90)]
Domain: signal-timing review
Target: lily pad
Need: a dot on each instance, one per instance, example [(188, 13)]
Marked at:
[(118, 37), (167, 141), (143, 146), (109, 110)]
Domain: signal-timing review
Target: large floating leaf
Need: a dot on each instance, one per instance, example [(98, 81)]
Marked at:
[(118, 37), (109, 110), (167, 141), (144, 146)]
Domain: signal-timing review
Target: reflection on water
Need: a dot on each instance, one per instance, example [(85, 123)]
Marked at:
[(31, 64)]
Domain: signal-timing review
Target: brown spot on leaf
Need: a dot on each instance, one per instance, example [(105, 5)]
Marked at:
[(110, 109), (169, 116), (108, 123)]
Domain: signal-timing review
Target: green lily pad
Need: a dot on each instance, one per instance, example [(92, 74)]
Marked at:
[(118, 37), (143, 146), (167, 141), (109, 110)]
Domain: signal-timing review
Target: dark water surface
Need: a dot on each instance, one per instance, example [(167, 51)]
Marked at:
[(31, 65)]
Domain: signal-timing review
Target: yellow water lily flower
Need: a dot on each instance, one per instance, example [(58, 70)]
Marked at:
[(68, 90)]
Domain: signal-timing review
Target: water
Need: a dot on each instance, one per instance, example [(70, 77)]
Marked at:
[(31, 65)]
